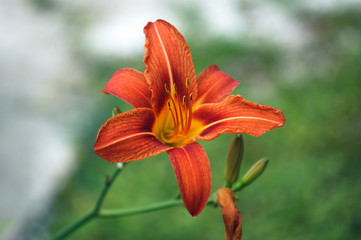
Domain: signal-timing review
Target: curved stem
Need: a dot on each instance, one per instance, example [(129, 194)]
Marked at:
[(94, 212), (238, 187), (77, 224), (109, 213), (105, 189), (122, 212)]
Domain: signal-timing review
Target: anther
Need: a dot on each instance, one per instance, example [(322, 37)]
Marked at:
[(168, 105), (187, 83), (191, 96), (175, 89), (184, 100), (166, 89)]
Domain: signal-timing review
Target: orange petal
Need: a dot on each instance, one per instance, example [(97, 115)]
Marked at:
[(232, 218), (131, 86), (214, 85), (193, 172), (128, 137), (167, 61), (236, 115)]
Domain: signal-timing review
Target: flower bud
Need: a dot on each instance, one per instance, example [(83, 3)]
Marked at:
[(254, 172), (116, 111), (232, 218), (234, 160)]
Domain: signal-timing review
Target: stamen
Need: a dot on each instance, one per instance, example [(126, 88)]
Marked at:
[(175, 107), (175, 121), (186, 115), (187, 83), (175, 89), (189, 119), (174, 116), (181, 114)]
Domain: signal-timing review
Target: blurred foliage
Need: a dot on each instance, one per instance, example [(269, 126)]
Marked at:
[(311, 188)]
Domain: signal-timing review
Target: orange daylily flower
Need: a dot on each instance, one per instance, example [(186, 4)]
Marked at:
[(173, 109)]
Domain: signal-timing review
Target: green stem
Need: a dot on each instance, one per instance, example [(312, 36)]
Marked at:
[(94, 212), (77, 224), (111, 213), (105, 189), (238, 187)]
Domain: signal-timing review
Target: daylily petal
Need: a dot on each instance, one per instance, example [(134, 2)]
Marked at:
[(232, 218), (167, 61), (214, 85), (193, 172), (236, 115), (131, 86), (128, 137)]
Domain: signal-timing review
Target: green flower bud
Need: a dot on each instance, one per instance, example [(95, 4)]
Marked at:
[(234, 160), (254, 172), (116, 111)]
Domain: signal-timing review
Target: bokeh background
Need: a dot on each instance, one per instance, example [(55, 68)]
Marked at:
[(303, 57)]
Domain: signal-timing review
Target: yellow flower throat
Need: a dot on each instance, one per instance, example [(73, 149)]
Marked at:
[(174, 126)]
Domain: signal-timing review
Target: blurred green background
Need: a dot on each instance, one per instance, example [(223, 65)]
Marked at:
[(311, 188)]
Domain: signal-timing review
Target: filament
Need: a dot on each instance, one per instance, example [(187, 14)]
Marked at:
[(189, 119), (175, 122)]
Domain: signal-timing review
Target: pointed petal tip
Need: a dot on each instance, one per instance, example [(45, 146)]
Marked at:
[(237, 115), (129, 85), (103, 91), (168, 61), (196, 213), (193, 173), (214, 85), (283, 119), (150, 23)]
